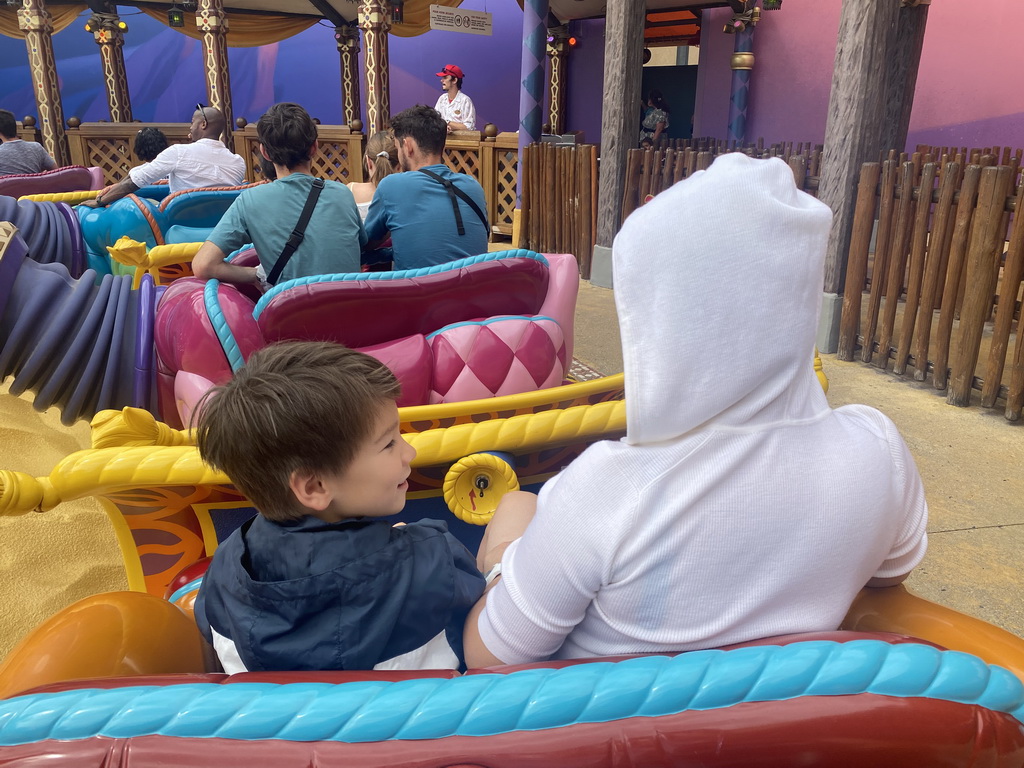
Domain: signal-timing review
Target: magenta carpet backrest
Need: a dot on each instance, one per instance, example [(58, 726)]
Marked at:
[(361, 312), (71, 179)]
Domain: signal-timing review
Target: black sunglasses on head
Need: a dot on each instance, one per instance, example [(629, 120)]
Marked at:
[(199, 109)]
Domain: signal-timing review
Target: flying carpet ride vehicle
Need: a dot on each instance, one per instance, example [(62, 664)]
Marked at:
[(863, 694)]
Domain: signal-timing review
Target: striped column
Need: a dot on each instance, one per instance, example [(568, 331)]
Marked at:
[(558, 48), (739, 97), (108, 32), (34, 20), (347, 36), (531, 90), (213, 23), (375, 21)]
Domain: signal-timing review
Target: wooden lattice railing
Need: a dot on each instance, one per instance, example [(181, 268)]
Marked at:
[(110, 145), (491, 161)]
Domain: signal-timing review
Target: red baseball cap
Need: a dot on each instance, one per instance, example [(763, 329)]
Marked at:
[(451, 69)]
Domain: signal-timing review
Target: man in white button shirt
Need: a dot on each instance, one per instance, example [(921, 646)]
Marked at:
[(206, 162), (455, 107)]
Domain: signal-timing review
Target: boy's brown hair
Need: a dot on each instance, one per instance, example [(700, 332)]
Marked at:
[(293, 406)]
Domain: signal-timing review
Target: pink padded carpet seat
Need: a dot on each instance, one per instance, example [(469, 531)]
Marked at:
[(368, 310)]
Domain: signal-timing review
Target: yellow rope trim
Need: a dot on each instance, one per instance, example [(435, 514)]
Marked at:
[(512, 402), (137, 427), (463, 496), (101, 471), (133, 427), (175, 253), (819, 371), (71, 198)]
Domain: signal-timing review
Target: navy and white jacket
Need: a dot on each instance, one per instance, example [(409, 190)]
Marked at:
[(358, 594)]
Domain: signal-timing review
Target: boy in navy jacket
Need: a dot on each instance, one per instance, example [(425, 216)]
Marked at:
[(319, 580)]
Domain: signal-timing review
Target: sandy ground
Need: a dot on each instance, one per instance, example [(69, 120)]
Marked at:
[(48, 560), (970, 460)]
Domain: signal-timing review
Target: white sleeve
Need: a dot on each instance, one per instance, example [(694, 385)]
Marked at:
[(551, 575), (439, 105), (469, 118), (160, 168), (911, 542)]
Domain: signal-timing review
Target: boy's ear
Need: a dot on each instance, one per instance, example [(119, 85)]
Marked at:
[(312, 150), (264, 153), (309, 490)]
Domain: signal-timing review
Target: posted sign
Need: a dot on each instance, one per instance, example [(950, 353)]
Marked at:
[(457, 20)]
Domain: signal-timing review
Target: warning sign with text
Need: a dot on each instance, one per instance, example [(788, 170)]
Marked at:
[(457, 20)]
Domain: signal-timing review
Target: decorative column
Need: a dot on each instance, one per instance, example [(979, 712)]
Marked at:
[(742, 26), (347, 36), (35, 22), (108, 31), (531, 82), (558, 47), (375, 21), (213, 23)]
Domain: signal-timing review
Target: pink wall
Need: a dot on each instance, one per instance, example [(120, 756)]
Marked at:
[(963, 94)]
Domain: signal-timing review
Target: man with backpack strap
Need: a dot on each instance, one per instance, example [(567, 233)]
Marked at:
[(300, 226), (434, 215)]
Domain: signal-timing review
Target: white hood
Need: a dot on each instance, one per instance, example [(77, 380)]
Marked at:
[(718, 325)]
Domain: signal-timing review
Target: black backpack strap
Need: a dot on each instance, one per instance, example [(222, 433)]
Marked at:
[(453, 193), (298, 233)]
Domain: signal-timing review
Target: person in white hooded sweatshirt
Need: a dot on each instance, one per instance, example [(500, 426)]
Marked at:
[(739, 505)]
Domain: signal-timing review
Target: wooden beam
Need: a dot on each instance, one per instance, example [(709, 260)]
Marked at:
[(901, 76), (330, 12), (623, 51), (867, 33)]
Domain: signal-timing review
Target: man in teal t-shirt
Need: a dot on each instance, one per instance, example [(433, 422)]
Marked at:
[(266, 215), (430, 222)]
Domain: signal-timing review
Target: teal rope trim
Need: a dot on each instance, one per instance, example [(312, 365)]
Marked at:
[(514, 253), (488, 321), (529, 700), (180, 592), (211, 299)]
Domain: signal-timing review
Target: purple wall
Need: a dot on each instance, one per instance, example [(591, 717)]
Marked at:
[(965, 93), (585, 72), (961, 97)]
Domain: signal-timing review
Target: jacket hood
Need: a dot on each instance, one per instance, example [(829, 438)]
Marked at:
[(718, 284)]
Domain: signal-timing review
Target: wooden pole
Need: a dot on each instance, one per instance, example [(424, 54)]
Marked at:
[(984, 251), (901, 74), (375, 21), (623, 48), (213, 23), (867, 32), (35, 21)]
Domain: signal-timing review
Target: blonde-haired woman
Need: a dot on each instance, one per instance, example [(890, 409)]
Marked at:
[(380, 159)]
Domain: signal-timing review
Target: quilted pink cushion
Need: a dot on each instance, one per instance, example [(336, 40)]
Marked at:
[(500, 356), (409, 360)]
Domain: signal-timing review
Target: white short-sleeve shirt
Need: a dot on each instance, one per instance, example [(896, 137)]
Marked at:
[(460, 109)]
